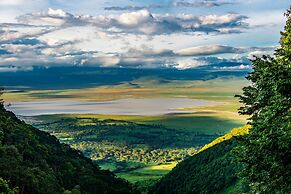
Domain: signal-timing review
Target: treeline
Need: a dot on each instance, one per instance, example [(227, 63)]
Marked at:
[(108, 151), (122, 132), (125, 141)]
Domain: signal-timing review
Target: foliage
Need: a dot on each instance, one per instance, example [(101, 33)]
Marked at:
[(211, 171), (140, 153), (125, 141), (234, 133), (265, 152), (35, 162), (5, 188), (1, 92), (110, 151)]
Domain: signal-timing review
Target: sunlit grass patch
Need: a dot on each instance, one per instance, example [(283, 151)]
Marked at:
[(147, 173)]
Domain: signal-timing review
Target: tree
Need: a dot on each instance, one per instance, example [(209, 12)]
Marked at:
[(5, 189), (265, 152), (1, 100)]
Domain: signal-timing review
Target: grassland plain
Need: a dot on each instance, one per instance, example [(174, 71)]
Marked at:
[(220, 89)]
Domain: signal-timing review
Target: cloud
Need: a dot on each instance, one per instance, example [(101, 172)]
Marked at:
[(132, 8), (181, 59), (189, 63), (253, 52), (202, 3), (11, 2), (52, 17), (14, 68), (207, 50), (60, 47), (102, 61), (181, 3), (141, 22), (195, 51), (214, 60), (145, 51), (16, 31), (4, 52), (143, 57), (134, 19), (136, 38), (238, 67), (211, 63), (26, 41), (258, 53)]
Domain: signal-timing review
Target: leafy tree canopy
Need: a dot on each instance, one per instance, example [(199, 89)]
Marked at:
[(265, 152)]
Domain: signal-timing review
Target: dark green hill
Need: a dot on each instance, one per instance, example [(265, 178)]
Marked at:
[(32, 161), (211, 171)]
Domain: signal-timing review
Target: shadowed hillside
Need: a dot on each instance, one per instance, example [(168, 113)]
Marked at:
[(32, 161)]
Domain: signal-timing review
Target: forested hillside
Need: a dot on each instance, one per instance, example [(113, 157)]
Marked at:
[(32, 161), (212, 170)]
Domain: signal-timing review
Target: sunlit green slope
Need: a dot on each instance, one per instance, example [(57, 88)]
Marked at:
[(212, 170)]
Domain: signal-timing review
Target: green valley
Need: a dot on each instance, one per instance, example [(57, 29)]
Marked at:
[(140, 149)]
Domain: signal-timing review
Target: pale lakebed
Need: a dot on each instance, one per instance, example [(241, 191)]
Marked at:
[(145, 106)]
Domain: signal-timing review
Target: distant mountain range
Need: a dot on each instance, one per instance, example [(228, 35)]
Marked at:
[(79, 76)]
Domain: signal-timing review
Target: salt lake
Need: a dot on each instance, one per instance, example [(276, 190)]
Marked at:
[(145, 106)]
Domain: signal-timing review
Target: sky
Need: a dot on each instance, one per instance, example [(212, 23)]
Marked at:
[(178, 34)]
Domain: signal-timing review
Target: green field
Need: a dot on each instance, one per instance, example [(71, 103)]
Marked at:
[(152, 172)]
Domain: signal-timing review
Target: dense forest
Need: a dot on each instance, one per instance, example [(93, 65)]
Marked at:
[(32, 161), (119, 140), (208, 172)]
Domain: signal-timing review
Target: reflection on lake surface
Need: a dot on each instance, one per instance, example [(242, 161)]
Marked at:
[(150, 106)]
